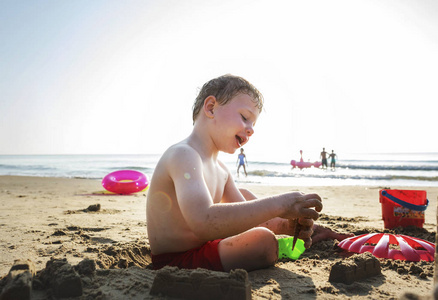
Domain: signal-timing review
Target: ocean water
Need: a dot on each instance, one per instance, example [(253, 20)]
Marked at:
[(401, 169)]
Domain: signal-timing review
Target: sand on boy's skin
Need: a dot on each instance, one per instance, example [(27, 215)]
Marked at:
[(44, 218)]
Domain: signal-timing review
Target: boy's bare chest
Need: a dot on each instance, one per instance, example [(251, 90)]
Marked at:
[(215, 178)]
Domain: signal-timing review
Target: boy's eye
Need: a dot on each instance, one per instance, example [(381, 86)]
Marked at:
[(243, 117)]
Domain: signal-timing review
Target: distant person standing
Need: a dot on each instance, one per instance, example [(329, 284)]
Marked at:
[(241, 160), (332, 157), (324, 158)]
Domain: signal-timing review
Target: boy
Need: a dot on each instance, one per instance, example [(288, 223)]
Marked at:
[(196, 216)]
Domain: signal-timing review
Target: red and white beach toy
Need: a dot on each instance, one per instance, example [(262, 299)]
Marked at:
[(393, 246)]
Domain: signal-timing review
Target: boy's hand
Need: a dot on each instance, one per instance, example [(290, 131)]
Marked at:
[(305, 207), (299, 205), (306, 230)]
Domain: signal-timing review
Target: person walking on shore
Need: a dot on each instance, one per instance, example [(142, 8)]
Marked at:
[(241, 160)]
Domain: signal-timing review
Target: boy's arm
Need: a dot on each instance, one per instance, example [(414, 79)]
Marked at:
[(233, 194), (277, 225), (209, 221), (284, 226)]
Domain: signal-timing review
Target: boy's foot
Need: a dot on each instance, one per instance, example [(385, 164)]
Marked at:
[(321, 233)]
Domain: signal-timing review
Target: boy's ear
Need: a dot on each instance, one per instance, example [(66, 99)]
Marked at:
[(209, 105)]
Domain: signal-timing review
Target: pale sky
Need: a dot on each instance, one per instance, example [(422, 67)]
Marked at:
[(120, 77)]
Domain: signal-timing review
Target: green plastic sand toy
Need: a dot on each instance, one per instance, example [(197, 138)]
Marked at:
[(285, 248)]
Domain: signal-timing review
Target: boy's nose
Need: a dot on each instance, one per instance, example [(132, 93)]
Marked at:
[(249, 130)]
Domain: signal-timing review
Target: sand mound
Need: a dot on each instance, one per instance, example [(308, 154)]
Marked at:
[(124, 256)]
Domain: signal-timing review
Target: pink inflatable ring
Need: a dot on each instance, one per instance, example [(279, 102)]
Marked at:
[(125, 182)]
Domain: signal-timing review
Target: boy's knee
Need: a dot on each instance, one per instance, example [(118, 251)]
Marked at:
[(270, 245), (247, 194)]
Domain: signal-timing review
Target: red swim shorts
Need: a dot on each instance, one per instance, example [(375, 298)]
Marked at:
[(205, 256)]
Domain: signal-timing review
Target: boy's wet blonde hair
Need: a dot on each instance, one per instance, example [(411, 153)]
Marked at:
[(224, 88)]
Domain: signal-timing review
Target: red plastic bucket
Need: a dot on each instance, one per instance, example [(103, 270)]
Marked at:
[(403, 208)]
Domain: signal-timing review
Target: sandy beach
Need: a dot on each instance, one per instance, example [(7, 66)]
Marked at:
[(43, 219)]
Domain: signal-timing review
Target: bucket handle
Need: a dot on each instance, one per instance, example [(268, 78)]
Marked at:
[(404, 203)]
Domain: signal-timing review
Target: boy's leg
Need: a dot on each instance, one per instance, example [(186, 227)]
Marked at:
[(254, 249)]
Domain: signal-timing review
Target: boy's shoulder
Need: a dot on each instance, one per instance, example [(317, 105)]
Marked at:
[(184, 153), (181, 151)]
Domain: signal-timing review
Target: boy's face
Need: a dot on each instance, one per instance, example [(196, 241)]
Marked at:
[(235, 121)]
